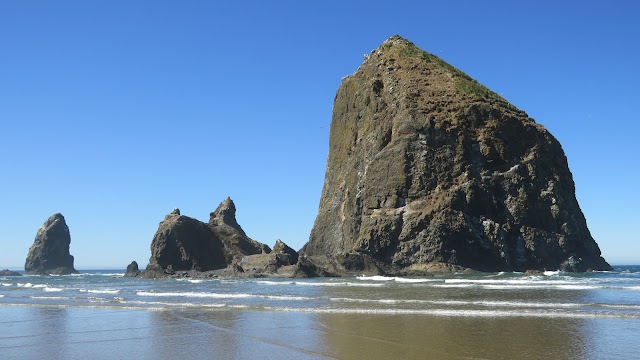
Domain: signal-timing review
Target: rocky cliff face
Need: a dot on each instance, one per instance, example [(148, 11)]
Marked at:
[(426, 166), (49, 253), (182, 243)]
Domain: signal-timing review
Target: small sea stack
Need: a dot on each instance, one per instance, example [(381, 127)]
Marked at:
[(132, 270), (49, 253), (7, 272)]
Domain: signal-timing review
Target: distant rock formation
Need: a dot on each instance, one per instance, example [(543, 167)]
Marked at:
[(182, 243), (225, 226), (7, 272), (428, 169), (49, 253), (279, 262), (132, 270), (282, 248)]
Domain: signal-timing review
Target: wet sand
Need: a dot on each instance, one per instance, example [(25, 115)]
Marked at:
[(33, 332)]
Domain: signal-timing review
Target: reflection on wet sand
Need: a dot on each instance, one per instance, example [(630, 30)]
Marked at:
[(250, 334), (76, 333), (422, 337)]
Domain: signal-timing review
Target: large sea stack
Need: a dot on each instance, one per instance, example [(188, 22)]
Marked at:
[(182, 243), (49, 253), (428, 169)]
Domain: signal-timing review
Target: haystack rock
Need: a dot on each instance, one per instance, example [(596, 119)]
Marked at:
[(429, 169), (49, 253), (182, 243)]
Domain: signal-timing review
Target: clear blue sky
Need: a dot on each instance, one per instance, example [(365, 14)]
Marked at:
[(115, 112)]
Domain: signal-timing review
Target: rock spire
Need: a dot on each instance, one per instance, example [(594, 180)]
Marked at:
[(49, 253)]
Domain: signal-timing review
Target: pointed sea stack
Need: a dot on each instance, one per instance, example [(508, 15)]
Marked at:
[(224, 224), (132, 270), (428, 169), (49, 253)]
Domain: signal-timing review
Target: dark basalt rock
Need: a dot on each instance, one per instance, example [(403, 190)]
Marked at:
[(49, 253), (184, 244), (427, 166), (306, 268), (132, 270), (225, 226), (281, 248), (7, 272)]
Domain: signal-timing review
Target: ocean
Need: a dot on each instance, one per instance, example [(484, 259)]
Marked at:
[(102, 315)]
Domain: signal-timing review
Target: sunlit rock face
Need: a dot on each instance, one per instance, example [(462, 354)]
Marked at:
[(49, 253), (426, 166)]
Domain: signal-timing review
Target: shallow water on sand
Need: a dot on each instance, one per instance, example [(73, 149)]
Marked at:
[(483, 316)]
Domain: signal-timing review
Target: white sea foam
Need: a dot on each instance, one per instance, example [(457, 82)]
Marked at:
[(460, 313), (396, 279), (380, 301), (172, 304), (51, 289), (315, 283), (50, 297), (100, 291), (452, 285), (193, 281), (509, 281), (415, 280), (515, 304), (6, 284), (518, 304), (93, 299), (96, 274), (345, 284), (1, 296), (224, 296), (27, 285), (620, 306), (551, 273), (375, 278), (197, 295), (286, 297), (268, 282)]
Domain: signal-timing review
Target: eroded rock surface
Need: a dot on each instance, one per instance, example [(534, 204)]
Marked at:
[(426, 166), (49, 253), (184, 244), (281, 248)]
